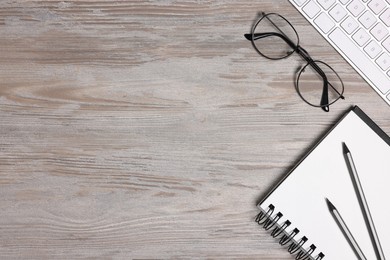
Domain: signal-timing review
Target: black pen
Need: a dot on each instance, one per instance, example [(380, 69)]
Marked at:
[(347, 233), (363, 203)]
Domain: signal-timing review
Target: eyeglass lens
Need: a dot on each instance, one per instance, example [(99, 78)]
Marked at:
[(310, 84), (273, 37)]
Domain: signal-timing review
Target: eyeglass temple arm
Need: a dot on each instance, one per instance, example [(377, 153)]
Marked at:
[(257, 36), (301, 51)]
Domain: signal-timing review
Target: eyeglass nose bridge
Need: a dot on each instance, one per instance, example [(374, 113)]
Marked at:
[(306, 56)]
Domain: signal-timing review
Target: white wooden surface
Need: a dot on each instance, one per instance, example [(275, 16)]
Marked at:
[(150, 129)]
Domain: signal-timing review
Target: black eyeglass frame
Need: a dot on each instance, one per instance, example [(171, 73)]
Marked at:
[(324, 103)]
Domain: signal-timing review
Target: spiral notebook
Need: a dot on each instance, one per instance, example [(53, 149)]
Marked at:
[(295, 211)]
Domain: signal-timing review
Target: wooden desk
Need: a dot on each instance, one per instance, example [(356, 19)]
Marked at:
[(150, 129)]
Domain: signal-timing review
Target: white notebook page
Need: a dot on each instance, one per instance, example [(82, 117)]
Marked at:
[(324, 174)]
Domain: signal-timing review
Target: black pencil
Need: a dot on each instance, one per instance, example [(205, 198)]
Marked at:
[(347, 233), (363, 203)]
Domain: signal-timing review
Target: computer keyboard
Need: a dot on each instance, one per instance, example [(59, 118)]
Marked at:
[(360, 31)]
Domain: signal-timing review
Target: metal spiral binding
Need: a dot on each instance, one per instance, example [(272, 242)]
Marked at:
[(268, 220)]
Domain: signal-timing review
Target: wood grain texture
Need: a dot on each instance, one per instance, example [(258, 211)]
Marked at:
[(149, 129)]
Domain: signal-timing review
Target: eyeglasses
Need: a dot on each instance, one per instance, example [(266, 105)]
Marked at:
[(274, 38)]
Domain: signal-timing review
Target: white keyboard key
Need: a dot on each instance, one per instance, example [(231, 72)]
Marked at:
[(299, 2), (379, 31), (373, 49), (326, 4), (311, 9), (349, 25), (360, 60), (361, 37), (367, 19), (385, 17), (338, 12), (324, 22), (377, 6), (355, 7), (344, 2), (386, 44), (384, 61)]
